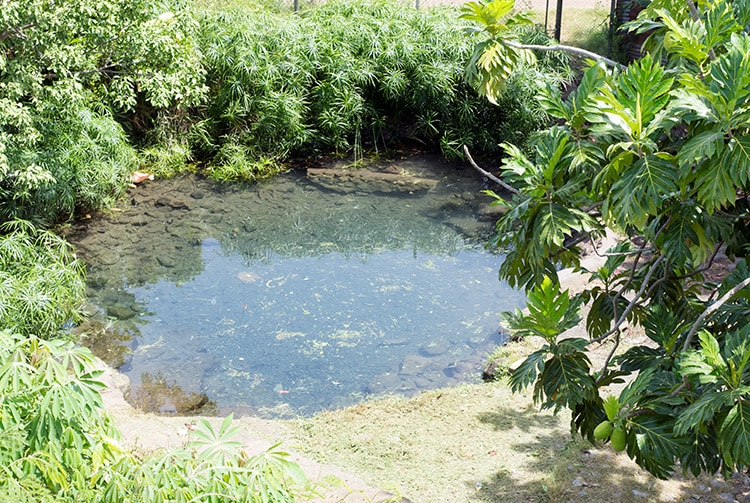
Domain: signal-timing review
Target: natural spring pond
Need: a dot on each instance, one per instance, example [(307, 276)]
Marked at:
[(297, 294)]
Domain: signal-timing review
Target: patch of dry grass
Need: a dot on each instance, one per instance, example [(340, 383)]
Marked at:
[(444, 445), (481, 443)]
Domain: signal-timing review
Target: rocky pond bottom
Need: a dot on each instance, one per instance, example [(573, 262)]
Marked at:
[(307, 292)]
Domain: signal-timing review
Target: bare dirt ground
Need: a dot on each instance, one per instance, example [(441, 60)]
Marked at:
[(473, 443)]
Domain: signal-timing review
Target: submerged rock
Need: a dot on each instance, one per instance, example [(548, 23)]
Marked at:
[(384, 382), (120, 311), (435, 347), (415, 365), (369, 180), (248, 277)]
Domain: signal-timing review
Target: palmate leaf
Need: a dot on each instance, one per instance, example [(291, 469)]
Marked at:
[(702, 455), (552, 157), (742, 12), (737, 158), (736, 353), (602, 313), (640, 93), (527, 372), (586, 416), (705, 365), (520, 270), (692, 100), (492, 64), (487, 14), (634, 391), (738, 275), (654, 445), (583, 99), (551, 312), (729, 78), (684, 240), (15, 377), (566, 380), (684, 37), (720, 23), (703, 410), (550, 99), (716, 189), (517, 165), (702, 146), (734, 435), (555, 222), (580, 102), (641, 357), (215, 445), (663, 326), (611, 407), (639, 192)]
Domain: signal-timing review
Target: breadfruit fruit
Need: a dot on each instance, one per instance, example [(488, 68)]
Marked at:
[(618, 439), (603, 430)]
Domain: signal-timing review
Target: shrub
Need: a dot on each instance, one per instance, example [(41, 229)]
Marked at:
[(65, 71), (80, 161), (41, 282), (53, 432), (343, 73), (58, 444), (658, 151)]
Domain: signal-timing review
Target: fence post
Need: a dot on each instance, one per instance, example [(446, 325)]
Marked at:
[(296, 5), (558, 20), (612, 23)]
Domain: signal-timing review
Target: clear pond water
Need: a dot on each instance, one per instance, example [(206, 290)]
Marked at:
[(290, 297)]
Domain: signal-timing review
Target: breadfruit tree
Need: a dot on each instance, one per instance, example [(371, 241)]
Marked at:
[(658, 151)]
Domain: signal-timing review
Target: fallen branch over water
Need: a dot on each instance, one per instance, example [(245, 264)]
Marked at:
[(489, 175)]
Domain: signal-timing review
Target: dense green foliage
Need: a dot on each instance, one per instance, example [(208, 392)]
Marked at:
[(56, 441), (91, 91), (65, 71), (58, 444), (657, 151), (345, 74), (235, 90), (41, 283)]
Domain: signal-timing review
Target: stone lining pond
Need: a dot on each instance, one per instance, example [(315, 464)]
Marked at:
[(297, 294)]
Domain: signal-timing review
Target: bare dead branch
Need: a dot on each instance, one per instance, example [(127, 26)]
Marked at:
[(16, 31), (489, 175), (566, 48), (636, 301), (712, 309)]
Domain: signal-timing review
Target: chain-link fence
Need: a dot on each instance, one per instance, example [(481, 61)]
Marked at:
[(581, 23), (574, 22)]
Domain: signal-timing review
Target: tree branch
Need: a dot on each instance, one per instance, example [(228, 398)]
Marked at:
[(602, 374), (712, 309), (565, 48), (489, 175), (633, 303), (18, 30)]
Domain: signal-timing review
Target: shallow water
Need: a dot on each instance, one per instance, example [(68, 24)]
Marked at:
[(286, 298)]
